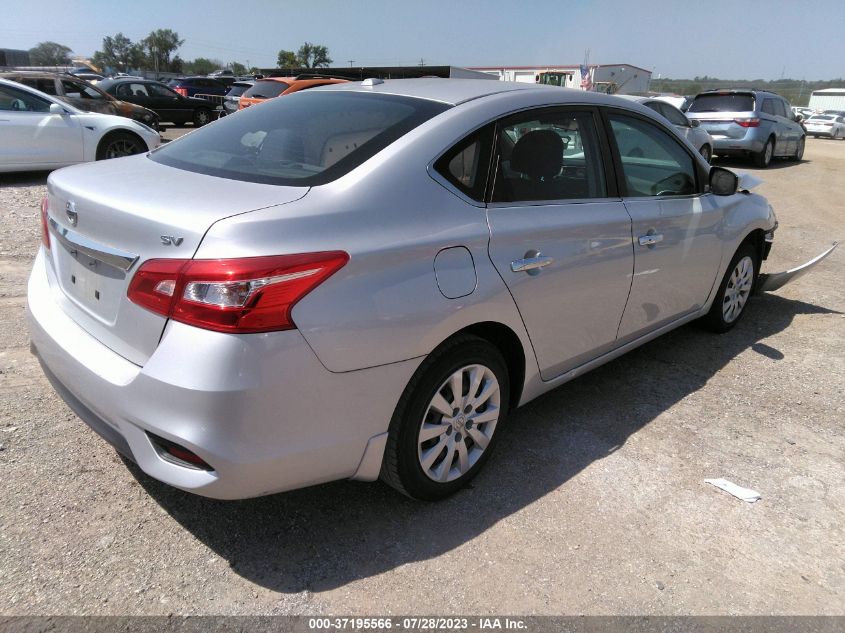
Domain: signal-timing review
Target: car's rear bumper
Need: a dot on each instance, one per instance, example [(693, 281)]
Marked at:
[(727, 145), (260, 408)]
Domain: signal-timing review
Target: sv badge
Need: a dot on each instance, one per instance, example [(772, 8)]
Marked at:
[(169, 240)]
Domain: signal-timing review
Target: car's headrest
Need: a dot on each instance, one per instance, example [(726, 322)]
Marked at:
[(538, 153)]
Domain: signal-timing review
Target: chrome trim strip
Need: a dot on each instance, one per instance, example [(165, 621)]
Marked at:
[(74, 241)]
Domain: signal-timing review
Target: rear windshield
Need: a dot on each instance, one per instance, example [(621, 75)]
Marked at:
[(821, 118), (237, 90), (266, 89), (723, 103), (308, 138)]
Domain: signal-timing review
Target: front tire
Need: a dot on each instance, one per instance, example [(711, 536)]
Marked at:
[(444, 427), (764, 158), (118, 145), (734, 292), (799, 151)]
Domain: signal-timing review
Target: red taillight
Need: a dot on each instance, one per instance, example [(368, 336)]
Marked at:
[(181, 91), (252, 294), (45, 227), (755, 122)]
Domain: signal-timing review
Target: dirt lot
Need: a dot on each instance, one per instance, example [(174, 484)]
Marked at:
[(594, 503)]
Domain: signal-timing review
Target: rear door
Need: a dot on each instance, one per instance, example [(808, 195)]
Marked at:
[(560, 237), (773, 114), (676, 226), (172, 106)]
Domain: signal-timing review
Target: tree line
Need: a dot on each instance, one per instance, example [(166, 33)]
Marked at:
[(158, 52)]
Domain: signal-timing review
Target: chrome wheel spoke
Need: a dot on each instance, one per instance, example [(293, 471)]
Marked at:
[(430, 431), (479, 438), (476, 375), (489, 389), (446, 465), (431, 454), (440, 405), (463, 457), (490, 415), (456, 382)]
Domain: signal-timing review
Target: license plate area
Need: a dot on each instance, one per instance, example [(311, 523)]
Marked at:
[(93, 285)]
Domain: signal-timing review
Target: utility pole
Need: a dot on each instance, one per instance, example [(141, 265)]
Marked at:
[(422, 62), (351, 61)]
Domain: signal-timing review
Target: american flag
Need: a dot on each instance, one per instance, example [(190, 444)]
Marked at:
[(586, 82)]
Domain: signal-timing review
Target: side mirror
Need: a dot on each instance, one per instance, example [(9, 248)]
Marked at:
[(55, 108), (798, 118), (694, 122), (723, 182)]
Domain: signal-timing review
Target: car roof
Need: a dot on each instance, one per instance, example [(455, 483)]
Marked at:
[(457, 91)]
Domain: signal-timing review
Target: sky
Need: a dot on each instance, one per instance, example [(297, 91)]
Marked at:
[(678, 39)]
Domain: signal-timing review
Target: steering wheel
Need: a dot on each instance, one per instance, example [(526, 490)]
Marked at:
[(676, 184)]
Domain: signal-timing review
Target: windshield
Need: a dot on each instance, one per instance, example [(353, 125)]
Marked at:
[(266, 89), (723, 103), (309, 138)]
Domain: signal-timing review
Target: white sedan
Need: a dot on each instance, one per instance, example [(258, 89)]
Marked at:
[(40, 132), (828, 125)]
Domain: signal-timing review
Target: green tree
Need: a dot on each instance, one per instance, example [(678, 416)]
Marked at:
[(49, 54), (313, 55), (203, 66), (159, 46), (287, 59), (119, 53), (238, 68)]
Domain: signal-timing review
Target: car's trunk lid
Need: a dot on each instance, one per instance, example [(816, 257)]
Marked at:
[(106, 219)]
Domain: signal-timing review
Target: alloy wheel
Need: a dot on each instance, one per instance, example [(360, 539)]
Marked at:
[(738, 289), (459, 423)]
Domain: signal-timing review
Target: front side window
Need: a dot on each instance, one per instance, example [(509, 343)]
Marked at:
[(79, 91), (548, 155), (653, 163), (14, 100), (673, 115), (302, 140)]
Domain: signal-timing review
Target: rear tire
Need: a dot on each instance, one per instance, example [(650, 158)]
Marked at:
[(202, 116), (439, 439), (734, 292), (764, 158), (119, 144)]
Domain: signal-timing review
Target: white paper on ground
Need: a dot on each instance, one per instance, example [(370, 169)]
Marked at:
[(746, 494)]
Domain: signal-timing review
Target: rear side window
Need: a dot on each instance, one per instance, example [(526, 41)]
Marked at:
[(467, 164), (547, 156), (722, 103), (266, 89), (768, 106), (305, 139), (654, 163)]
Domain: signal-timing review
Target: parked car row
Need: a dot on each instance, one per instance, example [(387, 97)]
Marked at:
[(41, 131), (82, 94), (168, 104)]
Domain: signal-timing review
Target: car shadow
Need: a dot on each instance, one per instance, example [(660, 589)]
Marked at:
[(21, 178), (326, 536)]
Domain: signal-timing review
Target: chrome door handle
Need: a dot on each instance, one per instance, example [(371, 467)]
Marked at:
[(650, 240), (528, 264)]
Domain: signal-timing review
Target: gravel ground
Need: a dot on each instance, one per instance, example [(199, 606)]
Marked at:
[(594, 503)]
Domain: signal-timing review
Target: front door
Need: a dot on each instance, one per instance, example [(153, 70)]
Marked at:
[(559, 237), (676, 226)]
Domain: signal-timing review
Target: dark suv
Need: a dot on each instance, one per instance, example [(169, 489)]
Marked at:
[(83, 95), (749, 122)]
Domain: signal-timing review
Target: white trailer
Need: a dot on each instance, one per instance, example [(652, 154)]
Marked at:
[(827, 99)]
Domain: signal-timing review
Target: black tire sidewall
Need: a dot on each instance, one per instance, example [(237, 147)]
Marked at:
[(199, 113), (110, 138), (405, 425)]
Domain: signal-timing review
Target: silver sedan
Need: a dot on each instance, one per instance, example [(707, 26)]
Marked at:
[(361, 281)]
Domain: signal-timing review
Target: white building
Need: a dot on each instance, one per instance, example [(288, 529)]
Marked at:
[(828, 99), (612, 78)]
